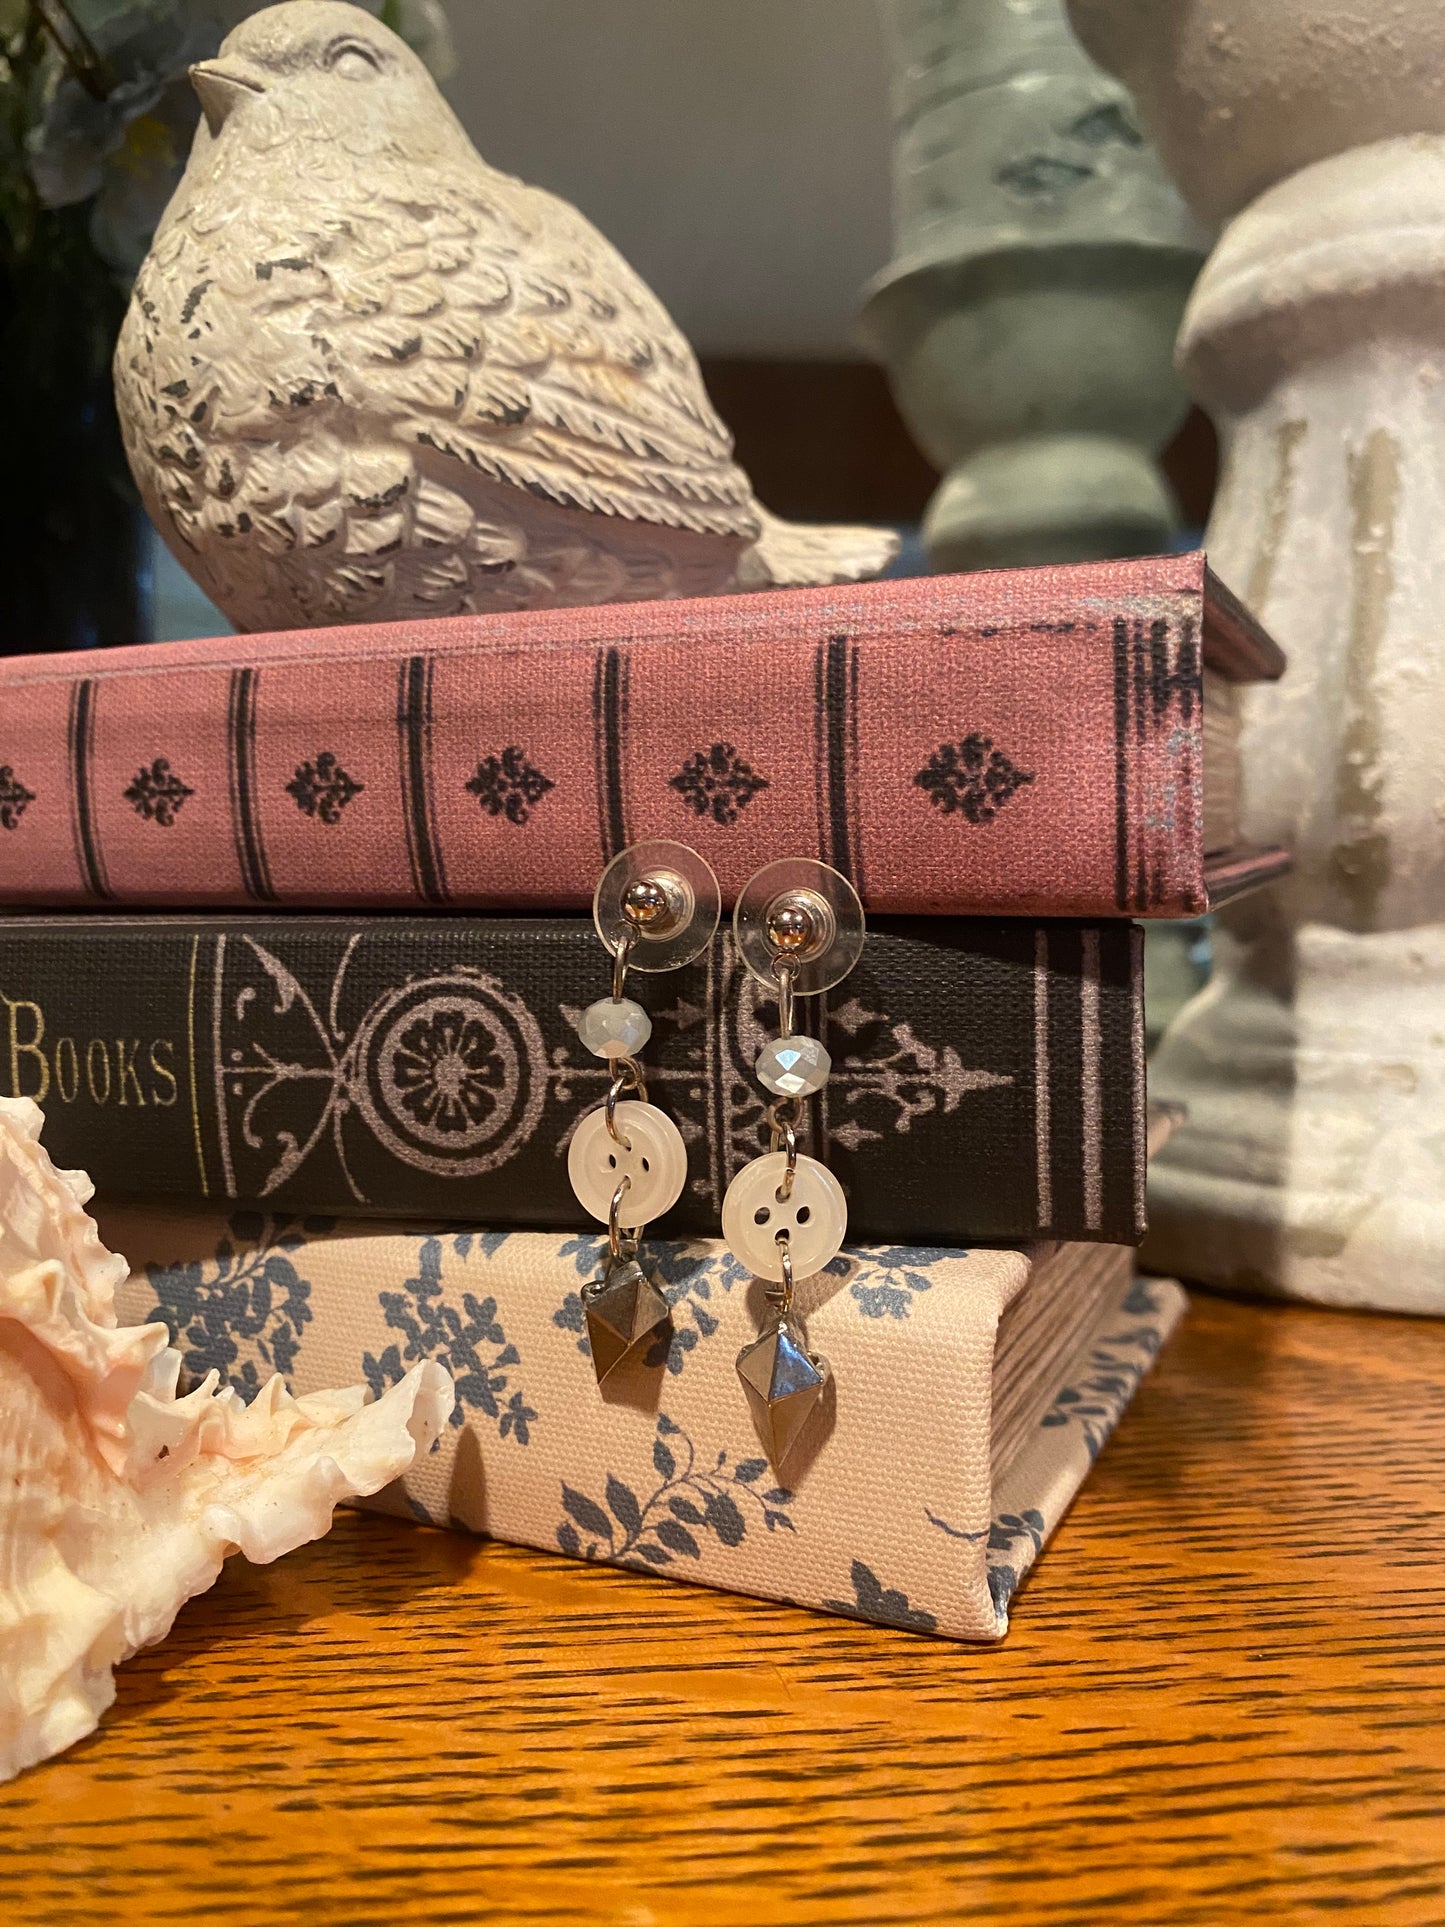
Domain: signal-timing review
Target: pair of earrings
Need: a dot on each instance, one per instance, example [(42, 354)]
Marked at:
[(799, 929)]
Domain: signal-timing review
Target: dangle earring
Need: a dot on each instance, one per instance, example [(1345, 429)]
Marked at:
[(656, 908), (799, 928)]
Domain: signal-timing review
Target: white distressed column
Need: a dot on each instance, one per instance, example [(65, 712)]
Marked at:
[(1313, 1065)]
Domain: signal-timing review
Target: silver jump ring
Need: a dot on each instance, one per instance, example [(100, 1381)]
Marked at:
[(786, 972), (790, 1168), (622, 944), (631, 1070), (629, 1078), (621, 1244), (785, 1134), (614, 1091), (781, 1296)]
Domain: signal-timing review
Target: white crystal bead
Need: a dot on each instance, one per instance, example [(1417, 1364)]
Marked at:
[(794, 1067), (815, 1216), (615, 1027), (652, 1157)]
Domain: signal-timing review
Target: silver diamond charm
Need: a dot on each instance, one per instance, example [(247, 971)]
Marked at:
[(622, 1307), (783, 1384)]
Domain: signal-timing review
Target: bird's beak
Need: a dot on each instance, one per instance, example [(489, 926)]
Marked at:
[(220, 88)]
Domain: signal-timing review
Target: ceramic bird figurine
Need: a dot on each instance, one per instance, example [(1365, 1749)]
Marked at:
[(366, 377)]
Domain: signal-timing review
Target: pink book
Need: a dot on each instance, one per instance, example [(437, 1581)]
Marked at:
[(1033, 742)]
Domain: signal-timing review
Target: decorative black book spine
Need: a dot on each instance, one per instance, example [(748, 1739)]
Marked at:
[(988, 1077)]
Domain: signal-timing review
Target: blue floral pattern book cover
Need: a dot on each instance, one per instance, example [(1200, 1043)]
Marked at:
[(919, 1497)]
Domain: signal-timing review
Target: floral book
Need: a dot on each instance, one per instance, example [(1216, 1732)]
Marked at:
[(1033, 742), (971, 1392), (988, 1074)]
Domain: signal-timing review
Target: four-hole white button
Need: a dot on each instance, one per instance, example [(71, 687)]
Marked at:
[(652, 1157), (814, 1216)]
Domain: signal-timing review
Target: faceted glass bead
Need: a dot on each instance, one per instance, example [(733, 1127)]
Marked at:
[(615, 1027), (794, 1067)]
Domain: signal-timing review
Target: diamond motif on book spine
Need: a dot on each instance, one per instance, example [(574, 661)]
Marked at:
[(971, 778), (718, 782), (323, 789), (508, 785), (15, 799), (157, 793)]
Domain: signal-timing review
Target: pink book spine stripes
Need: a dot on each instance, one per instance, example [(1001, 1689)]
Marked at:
[(1021, 743)]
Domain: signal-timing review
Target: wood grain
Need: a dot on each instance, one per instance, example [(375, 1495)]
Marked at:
[(1223, 1700)]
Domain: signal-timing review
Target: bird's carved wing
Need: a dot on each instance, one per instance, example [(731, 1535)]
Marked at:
[(498, 328), (377, 407)]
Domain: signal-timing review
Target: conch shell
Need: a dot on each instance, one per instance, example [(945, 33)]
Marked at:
[(119, 1499)]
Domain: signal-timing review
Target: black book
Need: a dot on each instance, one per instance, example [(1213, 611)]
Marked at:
[(988, 1074)]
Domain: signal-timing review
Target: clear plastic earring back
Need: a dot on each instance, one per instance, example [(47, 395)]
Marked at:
[(662, 900), (799, 911)]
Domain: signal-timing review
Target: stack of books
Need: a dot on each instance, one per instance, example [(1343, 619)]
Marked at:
[(295, 950)]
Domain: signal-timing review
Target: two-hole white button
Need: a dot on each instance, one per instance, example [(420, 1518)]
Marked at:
[(814, 1216), (651, 1156)]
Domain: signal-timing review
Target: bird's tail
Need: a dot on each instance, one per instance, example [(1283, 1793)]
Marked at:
[(793, 555)]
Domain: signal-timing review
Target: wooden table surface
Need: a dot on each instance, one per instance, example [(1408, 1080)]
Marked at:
[(1222, 1700)]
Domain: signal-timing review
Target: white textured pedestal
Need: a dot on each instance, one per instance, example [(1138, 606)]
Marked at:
[(1313, 1161), (1310, 1166)]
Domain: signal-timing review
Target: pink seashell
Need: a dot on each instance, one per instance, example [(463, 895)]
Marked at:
[(119, 1499)]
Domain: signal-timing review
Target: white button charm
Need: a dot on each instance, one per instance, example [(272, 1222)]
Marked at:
[(654, 1160), (815, 1216)]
